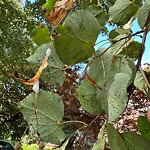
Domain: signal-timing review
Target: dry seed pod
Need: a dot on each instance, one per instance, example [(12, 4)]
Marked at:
[(17, 146)]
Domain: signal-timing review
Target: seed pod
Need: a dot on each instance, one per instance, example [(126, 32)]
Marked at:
[(36, 86), (48, 52)]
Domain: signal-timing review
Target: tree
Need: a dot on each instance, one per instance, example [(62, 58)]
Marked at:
[(66, 98)]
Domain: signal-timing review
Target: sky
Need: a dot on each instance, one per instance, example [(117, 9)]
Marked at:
[(135, 27)]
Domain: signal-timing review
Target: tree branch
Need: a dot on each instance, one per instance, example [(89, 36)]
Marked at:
[(142, 48)]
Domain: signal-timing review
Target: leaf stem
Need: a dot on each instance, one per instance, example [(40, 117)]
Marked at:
[(75, 121)]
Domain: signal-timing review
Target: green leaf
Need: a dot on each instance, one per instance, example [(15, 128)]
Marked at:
[(47, 121), (103, 71), (115, 34), (93, 9), (144, 126), (122, 11), (49, 5), (132, 50), (100, 143), (114, 139), (88, 99), (117, 48), (40, 35), (117, 96), (54, 73), (143, 14), (76, 43), (140, 83), (135, 141)]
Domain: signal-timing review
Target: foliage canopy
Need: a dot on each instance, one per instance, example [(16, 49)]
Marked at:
[(48, 42)]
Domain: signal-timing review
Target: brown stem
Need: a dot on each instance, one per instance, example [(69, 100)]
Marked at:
[(142, 48)]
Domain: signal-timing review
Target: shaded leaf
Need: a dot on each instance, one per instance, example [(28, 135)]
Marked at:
[(144, 126), (132, 50), (54, 73), (40, 35), (100, 143), (143, 14), (122, 11), (50, 111), (76, 43), (114, 139), (88, 99), (135, 141)]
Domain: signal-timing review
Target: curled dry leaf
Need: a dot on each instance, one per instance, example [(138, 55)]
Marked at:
[(34, 81), (59, 11)]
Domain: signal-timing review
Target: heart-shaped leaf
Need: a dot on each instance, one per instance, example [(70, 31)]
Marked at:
[(47, 120), (76, 43)]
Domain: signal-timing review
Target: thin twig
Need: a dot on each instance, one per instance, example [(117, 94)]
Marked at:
[(142, 48), (86, 131), (144, 76)]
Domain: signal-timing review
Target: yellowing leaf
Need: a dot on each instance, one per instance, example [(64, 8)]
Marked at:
[(37, 75)]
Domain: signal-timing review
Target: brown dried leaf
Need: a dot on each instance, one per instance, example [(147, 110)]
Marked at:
[(36, 77), (59, 11)]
